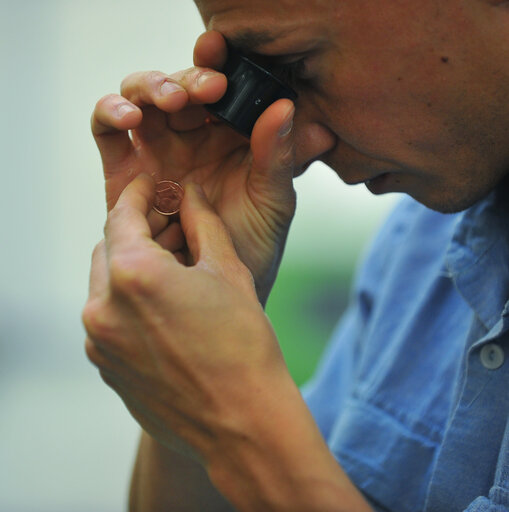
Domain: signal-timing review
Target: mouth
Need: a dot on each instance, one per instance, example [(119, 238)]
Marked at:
[(378, 184), (366, 181)]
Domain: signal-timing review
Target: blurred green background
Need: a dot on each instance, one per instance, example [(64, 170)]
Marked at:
[(66, 441), (304, 306)]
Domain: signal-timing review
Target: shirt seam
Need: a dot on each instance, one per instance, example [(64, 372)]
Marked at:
[(355, 462)]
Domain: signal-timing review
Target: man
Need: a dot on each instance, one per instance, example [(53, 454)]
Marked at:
[(410, 406)]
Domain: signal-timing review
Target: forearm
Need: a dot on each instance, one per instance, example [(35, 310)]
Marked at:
[(164, 480), (279, 462), (276, 462)]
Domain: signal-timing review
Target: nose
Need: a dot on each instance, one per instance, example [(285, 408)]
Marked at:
[(312, 138)]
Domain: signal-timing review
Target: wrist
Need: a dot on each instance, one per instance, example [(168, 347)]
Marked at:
[(277, 461)]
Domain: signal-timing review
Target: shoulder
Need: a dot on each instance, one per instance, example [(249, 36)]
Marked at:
[(410, 235)]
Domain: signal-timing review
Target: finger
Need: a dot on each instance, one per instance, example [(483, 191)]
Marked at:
[(172, 238), (127, 225), (181, 257), (171, 93), (154, 125), (157, 222), (113, 116), (110, 362), (98, 272), (206, 235), (191, 118), (272, 145), (210, 50)]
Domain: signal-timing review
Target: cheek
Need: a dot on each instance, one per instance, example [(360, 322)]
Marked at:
[(382, 113), (361, 115)]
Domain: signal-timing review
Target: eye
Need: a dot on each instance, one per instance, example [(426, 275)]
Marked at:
[(292, 73)]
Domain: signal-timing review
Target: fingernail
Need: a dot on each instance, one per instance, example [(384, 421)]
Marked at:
[(124, 109), (204, 77), (168, 87), (287, 126)]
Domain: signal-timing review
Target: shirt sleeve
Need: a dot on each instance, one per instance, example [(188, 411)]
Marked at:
[(493, 503)]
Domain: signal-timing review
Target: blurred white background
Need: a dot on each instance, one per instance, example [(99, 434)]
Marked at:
[(66, 443)]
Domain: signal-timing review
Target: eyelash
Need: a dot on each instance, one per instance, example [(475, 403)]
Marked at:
[(292, 73)]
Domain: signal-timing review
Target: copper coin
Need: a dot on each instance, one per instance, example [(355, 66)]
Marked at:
[(168, 197)]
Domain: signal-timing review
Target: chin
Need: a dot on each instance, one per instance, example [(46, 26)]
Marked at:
[(451, 200)]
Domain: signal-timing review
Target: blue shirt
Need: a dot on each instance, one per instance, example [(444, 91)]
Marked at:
[(412, 394)]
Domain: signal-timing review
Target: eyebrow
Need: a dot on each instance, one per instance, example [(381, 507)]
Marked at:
[(250, 41)]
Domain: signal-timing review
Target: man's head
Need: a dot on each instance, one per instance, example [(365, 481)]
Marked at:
[(410, 94)]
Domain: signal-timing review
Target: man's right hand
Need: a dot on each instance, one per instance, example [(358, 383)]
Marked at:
[(249, 183)]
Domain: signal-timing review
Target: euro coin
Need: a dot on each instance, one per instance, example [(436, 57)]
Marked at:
[(168, 197)]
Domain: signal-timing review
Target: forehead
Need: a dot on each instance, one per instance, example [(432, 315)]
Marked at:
[(264, 22)]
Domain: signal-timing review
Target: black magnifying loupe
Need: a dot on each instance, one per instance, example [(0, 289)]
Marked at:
[(251, 89)]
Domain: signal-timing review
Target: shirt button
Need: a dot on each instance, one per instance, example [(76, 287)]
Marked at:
[(492, 356)]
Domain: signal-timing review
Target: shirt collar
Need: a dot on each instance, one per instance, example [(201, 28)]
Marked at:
[(478, 256)]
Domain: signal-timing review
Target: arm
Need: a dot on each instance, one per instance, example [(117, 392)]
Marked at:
[(166, 480), (253, 474), (198, 362), (281, 465)]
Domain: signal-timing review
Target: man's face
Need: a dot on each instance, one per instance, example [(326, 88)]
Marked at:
[(409, 94)]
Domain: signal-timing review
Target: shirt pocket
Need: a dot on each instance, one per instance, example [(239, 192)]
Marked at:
[(385, 459)]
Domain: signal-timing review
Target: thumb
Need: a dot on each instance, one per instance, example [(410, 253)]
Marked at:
[(206, 235), (273, 149)]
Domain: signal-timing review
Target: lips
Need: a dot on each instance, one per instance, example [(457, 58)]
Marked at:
[(359, 181), (356, 169)]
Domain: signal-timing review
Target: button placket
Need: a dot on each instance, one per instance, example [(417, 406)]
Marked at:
[(492, 356)]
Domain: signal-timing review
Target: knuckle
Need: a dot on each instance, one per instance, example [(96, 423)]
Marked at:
[(98, 320), (148, 82), (136, 85), (186, 77), (107, 378), (155, 78), (93, 353), (105, 100), (132, 276), (191, 73), (128, 81)]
